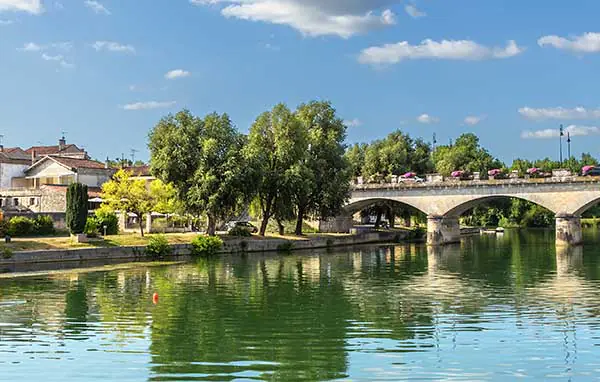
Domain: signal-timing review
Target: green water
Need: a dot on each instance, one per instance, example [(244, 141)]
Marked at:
[(492, 308)]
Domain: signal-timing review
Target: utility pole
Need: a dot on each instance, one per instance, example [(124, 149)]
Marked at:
[(562, 133), (434, 141), (569, 145), (133, 151)]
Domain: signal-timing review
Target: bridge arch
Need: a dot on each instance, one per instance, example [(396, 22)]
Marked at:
[(464, 206), (356, 206)]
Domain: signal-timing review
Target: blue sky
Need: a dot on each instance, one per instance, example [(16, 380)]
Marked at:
[(106, 71)]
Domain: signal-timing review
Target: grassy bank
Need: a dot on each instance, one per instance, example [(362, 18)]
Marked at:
[(66, 242)]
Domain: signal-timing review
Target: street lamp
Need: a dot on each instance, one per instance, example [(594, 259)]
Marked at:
[(569, 145), (562, 133)]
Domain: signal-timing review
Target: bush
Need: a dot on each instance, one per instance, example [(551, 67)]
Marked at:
[(158, 246), (77, 207), (4, 227), (108, 219), (43, 225), (20, 226), (206, 245), (91, 227), (239, 232), (6, 252)]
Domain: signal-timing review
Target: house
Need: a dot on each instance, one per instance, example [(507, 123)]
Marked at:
[(13, 163), (62, 171), (140, 172), (61, 150)]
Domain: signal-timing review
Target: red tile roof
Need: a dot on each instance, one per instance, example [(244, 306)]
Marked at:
[(138, 170)]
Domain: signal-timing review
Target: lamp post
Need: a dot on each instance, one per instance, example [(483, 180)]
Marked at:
[(569, 145), (560, 144)]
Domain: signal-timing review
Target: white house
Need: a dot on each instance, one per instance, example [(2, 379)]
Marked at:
[(13, 163), (57, 170)]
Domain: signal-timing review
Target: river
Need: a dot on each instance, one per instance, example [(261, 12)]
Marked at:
[(492, 308)]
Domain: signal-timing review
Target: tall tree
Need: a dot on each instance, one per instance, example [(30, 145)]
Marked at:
[(322, 178), (465, 154), (128, 195), (202, 159), (77, 207), (276, 143)]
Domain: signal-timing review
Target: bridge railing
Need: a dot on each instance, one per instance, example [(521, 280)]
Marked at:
[(451, 182)]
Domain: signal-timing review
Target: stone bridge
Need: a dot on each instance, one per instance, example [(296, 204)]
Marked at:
[(445, 202)]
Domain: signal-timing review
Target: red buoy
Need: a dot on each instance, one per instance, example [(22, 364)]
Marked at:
[(155, 298)]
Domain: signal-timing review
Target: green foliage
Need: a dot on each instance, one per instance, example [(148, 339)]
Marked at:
[(4, 227), (20, 226), (77, 207), (91, 227), (206, 245), (239, 232), (202, 159), (125, 194), (105, 217), (6, 252), (509, 213), (276, 144), (418, 233), (43, 225), (158, 246), (465, 154)]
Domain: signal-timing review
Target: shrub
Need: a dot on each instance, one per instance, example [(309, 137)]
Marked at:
[(91, 227), (43, 225), (108, 219), (20, 226), (158, 246), (4, 227), (6, 252), (239, 232), (206, 245), (77, 207)]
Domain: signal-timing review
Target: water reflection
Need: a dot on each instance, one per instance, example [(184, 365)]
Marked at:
[(489, 308)]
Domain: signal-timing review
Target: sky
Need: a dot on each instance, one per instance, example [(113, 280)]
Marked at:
[(104, 72)]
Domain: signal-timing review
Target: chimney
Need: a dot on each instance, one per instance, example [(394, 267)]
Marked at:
[(106, 163), (33, 155), (62, 142)]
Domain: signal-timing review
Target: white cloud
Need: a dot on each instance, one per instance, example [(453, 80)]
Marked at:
[(53, 48), (30, 6), (343, 18), (6, 22), (177, 73), (353, 122), (573, 131), (427, 119), (413, 11), (52, 58), (112, 46), (473, 120), (586, 43), (559, 113), (444, 50), (31, 47), (149, 105), (96, 7)]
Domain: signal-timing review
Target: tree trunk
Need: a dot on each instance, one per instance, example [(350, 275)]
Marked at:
[(263, 226), (407, 222), (212, 226), (141, 221), (281, 227), (299, 221)]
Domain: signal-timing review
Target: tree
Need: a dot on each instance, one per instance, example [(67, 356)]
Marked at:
[(277, 142), (128, 196), (202, 159), (355, 155), (77, 207), (320, 183), (465, 154)]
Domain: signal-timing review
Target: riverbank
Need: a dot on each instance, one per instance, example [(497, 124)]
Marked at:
[(108, 251)]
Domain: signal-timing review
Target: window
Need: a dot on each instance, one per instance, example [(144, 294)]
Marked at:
[(32, 201), (15, 201), (1, 202)]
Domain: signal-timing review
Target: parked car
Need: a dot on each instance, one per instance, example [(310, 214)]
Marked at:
[(590, 171), (244, 225)]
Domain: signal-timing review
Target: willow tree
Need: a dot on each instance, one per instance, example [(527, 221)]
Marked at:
[(202, 159), (276, 143)]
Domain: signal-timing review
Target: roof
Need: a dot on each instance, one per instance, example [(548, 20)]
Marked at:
[(71, 163), (138, 170), (14, 153), (49, 150)]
